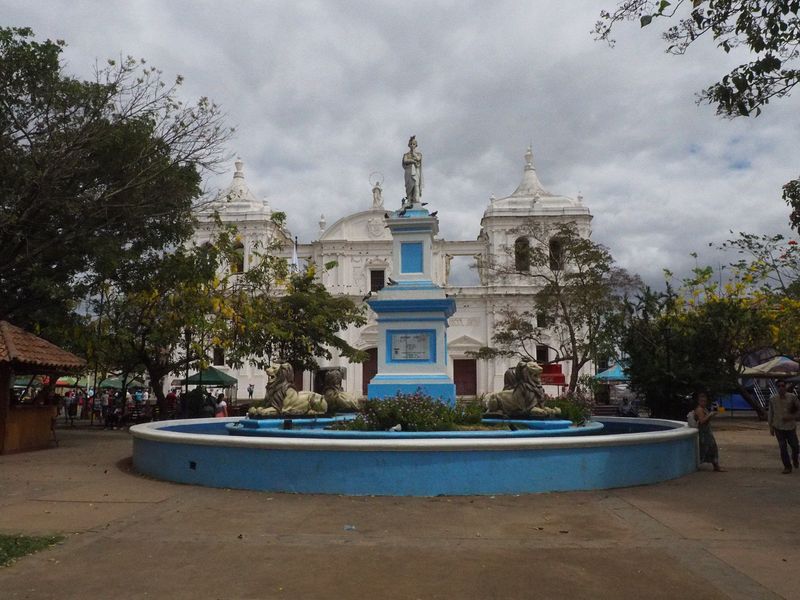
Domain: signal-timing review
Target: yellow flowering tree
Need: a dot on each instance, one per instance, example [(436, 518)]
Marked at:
[(692, 338), (170, 311)]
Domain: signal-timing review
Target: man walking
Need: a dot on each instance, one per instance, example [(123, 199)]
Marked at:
[(784, 410)]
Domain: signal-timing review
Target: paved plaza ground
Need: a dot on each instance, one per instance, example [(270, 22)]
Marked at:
[(708, 535)]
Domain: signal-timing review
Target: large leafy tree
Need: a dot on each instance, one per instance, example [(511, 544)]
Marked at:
[(693, 339), (770, 267), (283, 313), (575, 310), (144, 316), (768, 29), (173, 310), (653, 347), (93, 174)]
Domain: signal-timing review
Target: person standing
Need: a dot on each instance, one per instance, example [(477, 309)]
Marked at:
[(171, 401), (784, 410), (250, 389), (709, 452), (71, 408), (104, 401), (222, 406)]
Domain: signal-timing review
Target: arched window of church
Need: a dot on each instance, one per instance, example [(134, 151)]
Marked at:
[(237, 266), (522, 254), (556, 254)]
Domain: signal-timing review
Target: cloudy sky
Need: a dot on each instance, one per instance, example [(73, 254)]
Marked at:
[(324, 93)]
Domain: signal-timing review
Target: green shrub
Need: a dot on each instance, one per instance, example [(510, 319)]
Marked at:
[(199, 403), (575, 407), (413, 412)]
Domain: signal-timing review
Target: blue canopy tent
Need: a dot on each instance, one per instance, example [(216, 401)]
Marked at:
[(615, 374)]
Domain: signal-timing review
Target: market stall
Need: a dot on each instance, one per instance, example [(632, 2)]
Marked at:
[(28, 426), (211, 377)]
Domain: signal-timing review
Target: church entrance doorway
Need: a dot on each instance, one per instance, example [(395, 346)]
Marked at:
[(465, 376), (369, 368)]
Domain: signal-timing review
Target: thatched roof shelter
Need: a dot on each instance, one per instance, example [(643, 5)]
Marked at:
[(28, 353), (24, 352)]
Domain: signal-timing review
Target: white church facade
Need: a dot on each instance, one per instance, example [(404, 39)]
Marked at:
[(361, 247)]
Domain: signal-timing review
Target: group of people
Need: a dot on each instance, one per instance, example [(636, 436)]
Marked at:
[(108, 406), (782, 415)]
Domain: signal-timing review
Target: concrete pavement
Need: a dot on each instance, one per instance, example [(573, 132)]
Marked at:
[(708, 535)]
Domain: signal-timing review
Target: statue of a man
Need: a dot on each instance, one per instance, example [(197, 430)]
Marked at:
[(412, 165)]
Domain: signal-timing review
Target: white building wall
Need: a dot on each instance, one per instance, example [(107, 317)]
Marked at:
[(359, 242)]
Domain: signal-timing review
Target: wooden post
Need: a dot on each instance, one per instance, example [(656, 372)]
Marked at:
[(6, 380)]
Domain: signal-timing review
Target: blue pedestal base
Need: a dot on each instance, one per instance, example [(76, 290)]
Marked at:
[(441, 388)]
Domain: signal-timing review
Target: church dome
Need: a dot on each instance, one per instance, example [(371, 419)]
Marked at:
[(531, 199), (238, 197), (238, 205)]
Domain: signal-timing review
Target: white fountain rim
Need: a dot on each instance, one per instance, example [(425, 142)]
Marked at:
[(156, 432)]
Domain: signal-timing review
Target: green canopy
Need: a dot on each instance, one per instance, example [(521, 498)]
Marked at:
[(212, 377), (116, 383)]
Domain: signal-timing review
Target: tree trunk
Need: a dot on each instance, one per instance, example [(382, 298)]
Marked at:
[(753, 402), (574, 371), (6, 381), (157, 374)]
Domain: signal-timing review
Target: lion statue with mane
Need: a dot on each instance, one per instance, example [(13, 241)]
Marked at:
[(337, 399), (283, 400), (522, 397)]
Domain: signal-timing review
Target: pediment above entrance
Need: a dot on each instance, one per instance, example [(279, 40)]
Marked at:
[(365, 226), (465, 342)]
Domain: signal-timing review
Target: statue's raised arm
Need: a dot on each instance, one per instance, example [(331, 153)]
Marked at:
[(412, 165)]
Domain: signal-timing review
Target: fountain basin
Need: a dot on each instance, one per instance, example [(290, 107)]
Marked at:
[(315, 428), (625, 452)]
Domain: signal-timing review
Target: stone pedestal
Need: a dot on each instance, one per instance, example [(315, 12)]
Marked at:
[(412, 315)]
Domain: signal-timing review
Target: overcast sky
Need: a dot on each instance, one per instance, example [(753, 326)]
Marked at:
[(324, 93)]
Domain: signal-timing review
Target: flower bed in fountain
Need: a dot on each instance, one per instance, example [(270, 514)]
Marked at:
[(420, 412)]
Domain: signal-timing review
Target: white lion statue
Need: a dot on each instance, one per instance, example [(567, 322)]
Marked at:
[(338, 400), (283, 400), (523, 396)]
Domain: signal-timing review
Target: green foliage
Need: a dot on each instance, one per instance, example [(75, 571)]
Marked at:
[(413, 412), (679, 343), (259, 315), (144, 316), (791, 195), (13, 547), (276, 313), (94, 175), (576, 311), (769, 268), (769, 30), (770, 263), (299, 325), (576, 407), (199, 403)]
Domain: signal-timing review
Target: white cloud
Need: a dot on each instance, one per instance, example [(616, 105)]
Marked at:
[(324, 93)]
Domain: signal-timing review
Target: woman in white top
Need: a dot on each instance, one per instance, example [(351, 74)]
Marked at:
[(222, 406)]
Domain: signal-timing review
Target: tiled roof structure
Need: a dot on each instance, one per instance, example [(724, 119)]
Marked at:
[(24, 349)]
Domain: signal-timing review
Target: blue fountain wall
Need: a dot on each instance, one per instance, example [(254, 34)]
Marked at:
[(220, 462)]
